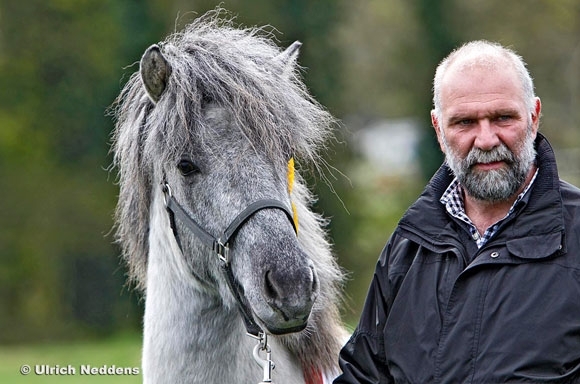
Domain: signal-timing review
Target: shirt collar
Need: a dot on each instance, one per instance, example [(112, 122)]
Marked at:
[(452, 199)]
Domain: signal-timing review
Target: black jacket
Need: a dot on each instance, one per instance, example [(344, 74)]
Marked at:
[(440, 310)]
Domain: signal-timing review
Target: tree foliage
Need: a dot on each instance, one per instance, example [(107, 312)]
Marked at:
[(59, 70), (62, 63)]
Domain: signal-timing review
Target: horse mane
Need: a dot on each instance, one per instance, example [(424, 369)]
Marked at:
[(211, 59)]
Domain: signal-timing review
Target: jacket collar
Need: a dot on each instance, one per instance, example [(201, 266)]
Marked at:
[(427, 217)]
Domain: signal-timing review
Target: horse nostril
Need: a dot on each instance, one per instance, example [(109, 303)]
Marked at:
[(291, 295), (270, 289)]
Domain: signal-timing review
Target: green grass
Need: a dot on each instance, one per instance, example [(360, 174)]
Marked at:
[(122, 352)]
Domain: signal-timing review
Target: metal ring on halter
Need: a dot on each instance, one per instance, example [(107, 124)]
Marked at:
[(266, 364), (166, 191), (262, 338)]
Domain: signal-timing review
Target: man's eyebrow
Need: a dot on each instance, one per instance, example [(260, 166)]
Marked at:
[(459, 116), (493, 114), (506, 111)]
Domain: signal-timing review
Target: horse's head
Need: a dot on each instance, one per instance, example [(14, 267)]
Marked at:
[(219, 118)]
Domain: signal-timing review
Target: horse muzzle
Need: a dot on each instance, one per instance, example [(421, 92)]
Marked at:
[(289, 296)]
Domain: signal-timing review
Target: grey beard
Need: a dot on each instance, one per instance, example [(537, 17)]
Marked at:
[(495, 185)]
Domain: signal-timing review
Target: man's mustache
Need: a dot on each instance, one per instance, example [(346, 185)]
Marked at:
[(499, 153)]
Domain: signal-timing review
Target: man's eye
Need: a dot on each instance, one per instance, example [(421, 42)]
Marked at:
[(465, 122)]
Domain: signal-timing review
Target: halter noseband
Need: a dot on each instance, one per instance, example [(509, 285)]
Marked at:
[(220, 245)]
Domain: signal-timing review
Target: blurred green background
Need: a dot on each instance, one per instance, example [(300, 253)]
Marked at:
[(62, 63)]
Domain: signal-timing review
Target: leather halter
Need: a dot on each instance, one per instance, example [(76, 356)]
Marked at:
[(221, 245)]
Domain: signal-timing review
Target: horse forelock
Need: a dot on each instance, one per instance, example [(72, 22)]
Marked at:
[(211, 59)]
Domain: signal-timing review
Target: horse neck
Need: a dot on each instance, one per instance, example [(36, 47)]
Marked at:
[(189, 335)]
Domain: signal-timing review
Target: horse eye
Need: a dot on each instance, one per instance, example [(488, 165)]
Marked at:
[(187, 168), (206, 100)]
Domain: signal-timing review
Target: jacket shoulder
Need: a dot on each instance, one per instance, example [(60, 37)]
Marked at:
[(570, 203), (570, 193)]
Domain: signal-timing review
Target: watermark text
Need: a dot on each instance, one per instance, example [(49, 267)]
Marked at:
[(82, 370)]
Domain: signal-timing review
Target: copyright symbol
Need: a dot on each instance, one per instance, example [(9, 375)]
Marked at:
[(25, 369)]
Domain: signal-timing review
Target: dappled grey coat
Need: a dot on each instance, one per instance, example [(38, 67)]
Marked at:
[(440, 310)]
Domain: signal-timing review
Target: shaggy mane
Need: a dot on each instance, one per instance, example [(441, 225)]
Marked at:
[(211, 59), (238, 69)]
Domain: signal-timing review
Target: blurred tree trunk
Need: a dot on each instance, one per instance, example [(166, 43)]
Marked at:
[(440, 41)]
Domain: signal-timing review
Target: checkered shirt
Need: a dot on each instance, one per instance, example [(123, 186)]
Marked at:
[(452, 199)]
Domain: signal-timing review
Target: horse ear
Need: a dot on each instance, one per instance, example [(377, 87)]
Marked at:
[(288, 58), (155, 71)]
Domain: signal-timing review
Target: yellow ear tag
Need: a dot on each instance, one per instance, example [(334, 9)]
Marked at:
[(290, 186)]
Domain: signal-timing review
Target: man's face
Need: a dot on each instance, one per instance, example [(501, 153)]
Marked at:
[(486, 131)]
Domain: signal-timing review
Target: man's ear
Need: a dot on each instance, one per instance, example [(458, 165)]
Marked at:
[(535, 116), (438, 130)]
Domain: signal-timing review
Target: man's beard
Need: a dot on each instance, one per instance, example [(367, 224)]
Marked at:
[(493, 185)]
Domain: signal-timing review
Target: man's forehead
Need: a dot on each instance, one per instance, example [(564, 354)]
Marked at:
[(480, 84), (479, 63)]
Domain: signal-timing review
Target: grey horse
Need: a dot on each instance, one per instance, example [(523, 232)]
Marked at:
[(206, 135)]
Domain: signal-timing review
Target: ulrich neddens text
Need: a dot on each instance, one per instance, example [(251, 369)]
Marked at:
[(85, 369)]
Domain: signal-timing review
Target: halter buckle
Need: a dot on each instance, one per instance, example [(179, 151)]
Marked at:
[(222, 250)]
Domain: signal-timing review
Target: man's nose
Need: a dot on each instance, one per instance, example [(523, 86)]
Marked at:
[(487, 137)]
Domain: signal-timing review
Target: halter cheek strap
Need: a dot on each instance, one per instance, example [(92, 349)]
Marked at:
[(220, 245)]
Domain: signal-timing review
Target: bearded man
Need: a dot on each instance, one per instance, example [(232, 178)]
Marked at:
[(480, 281)]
